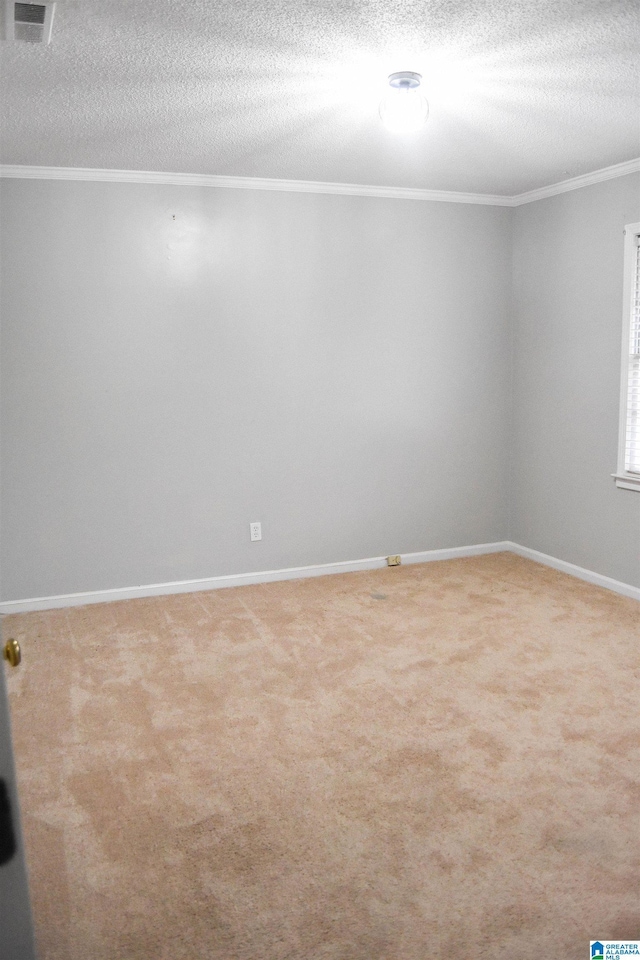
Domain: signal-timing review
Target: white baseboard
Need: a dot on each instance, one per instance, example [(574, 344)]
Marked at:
[(318, 570), (237, 579), (450, 553), (598, 579), (187, 586)]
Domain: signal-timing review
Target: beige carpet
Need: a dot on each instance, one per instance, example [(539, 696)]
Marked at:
[(435, 761)]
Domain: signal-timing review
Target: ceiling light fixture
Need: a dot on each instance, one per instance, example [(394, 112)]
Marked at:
[(403, 108)]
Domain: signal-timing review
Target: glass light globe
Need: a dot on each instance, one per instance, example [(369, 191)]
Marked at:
[(403, 109)]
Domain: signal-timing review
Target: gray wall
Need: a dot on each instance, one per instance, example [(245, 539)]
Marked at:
[(567, 302), (178, 361)]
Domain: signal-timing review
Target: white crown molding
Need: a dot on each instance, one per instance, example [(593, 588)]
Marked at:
[(15, 171), (586, 180), (246, 183), (297, 573)]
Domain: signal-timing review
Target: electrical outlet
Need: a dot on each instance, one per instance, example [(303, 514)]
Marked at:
[(394, 561), (256, 531)]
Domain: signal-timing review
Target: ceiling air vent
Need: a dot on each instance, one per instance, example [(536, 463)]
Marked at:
[(29, 22)]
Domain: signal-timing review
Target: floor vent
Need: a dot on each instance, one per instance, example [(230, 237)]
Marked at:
[(29, 22)]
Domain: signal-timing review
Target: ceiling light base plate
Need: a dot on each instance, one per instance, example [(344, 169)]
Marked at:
[(405, 80)]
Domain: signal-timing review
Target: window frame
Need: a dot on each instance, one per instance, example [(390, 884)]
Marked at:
[(626, 480)]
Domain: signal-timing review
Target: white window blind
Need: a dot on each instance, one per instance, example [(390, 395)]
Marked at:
[(627, 475), (632, 428)]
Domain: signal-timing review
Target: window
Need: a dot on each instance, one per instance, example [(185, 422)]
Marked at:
[(628, 472)]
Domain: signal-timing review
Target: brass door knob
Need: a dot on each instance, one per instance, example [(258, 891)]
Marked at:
[(12, 652)]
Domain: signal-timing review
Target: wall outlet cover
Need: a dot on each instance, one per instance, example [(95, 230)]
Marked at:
[(394, 560)]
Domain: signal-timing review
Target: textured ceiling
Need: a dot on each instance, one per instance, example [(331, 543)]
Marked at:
[(522, 94)]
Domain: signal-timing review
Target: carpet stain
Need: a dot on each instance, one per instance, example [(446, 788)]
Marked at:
[(495, 749)]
